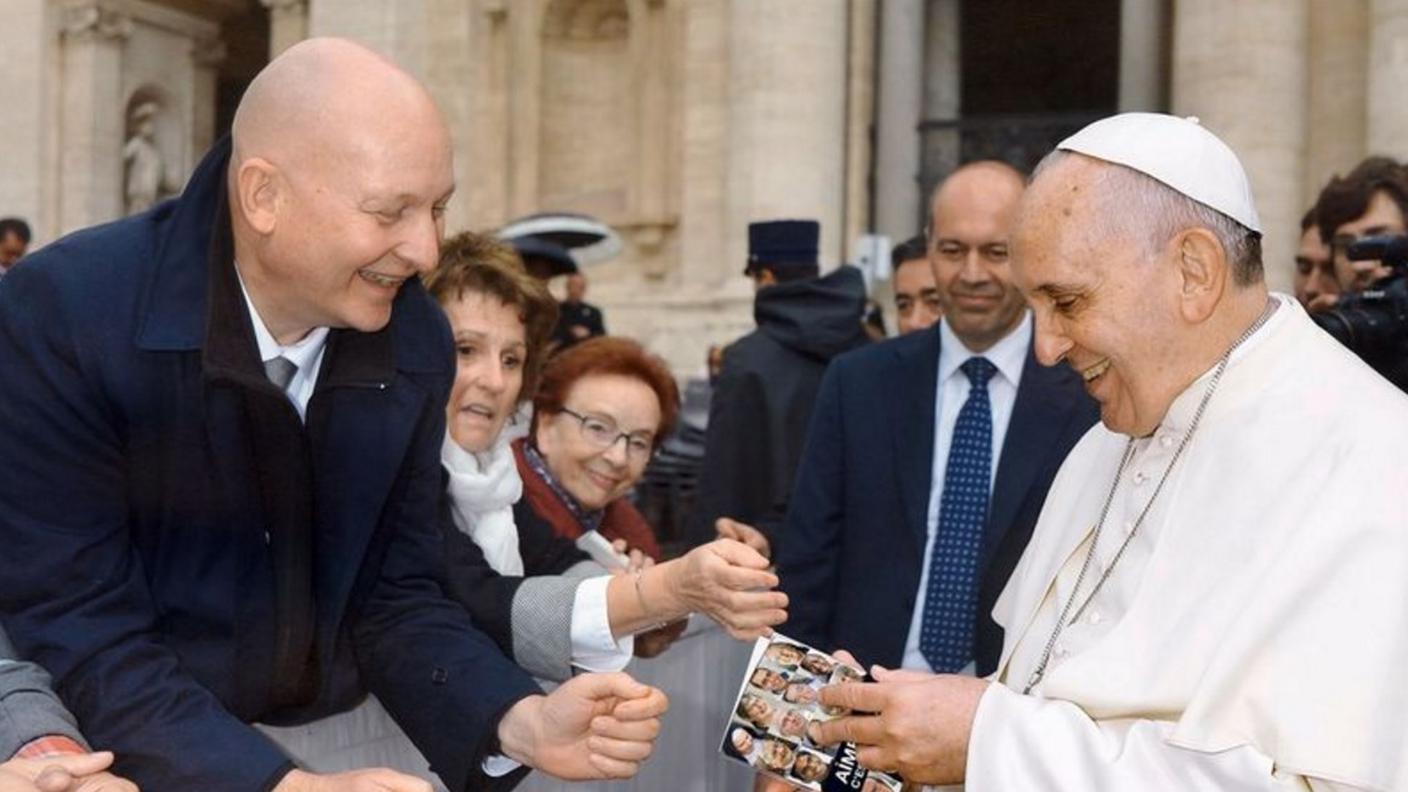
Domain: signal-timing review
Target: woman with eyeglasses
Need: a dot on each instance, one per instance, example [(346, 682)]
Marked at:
[(518, 569)]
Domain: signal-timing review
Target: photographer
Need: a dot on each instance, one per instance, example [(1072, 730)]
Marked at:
[(1372, 200)]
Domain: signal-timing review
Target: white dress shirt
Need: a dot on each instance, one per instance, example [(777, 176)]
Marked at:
[(594, 648), (306, 354), (1008, 356)]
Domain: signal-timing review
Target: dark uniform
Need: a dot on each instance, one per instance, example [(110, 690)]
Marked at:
[(762, 401)]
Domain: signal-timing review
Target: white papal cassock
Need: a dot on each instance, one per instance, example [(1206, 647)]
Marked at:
[(1255, 633)]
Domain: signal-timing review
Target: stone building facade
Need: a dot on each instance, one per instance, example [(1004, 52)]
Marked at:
[(679, 121)]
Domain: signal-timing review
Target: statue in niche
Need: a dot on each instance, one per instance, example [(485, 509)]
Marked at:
[(146, 179)]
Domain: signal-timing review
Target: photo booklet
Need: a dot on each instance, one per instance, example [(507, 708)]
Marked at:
[(772, 726)]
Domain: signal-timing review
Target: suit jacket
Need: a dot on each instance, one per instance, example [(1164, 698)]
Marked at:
[(153, 562), (28, 707), (852, 547)]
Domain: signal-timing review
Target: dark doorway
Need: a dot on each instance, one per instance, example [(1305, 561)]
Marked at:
[(1030, 73)]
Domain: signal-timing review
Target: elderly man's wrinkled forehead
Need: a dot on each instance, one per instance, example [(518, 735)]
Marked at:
[(330, 102), (1064, 205)]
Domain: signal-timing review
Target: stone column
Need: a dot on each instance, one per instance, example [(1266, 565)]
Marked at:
[(288, 24), (1388, 63), (90, 180), (26, 59), (1251, 90), (787, 116), (706, 241), (206, 57), (860, 120), (942, 98), (899, 105), (1141, 55), (1339, 57)]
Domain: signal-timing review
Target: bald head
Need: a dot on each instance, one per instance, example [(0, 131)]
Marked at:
[(989, 181), (322, 92), (338, 180)]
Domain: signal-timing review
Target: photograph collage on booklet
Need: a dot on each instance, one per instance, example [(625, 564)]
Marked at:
[(773, 723)]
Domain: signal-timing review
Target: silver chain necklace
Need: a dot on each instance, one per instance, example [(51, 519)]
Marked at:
[(1061, 621)]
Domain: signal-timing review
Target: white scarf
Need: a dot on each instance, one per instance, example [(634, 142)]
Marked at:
[(483, 489)]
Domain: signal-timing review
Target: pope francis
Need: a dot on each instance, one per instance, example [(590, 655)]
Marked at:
[(1216, 594)]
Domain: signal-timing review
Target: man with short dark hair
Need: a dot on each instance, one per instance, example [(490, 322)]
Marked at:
[(759, 410), (1370, 200), (1314, 281), (14, 241), (917, 303)]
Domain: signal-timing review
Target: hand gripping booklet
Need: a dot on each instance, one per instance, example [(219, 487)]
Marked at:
[(772, 725)]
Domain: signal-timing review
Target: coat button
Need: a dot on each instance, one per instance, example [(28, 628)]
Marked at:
[(439, 676), (268, 539)]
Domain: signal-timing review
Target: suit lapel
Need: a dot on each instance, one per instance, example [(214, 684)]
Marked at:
[(1038, 418), (913, 430)]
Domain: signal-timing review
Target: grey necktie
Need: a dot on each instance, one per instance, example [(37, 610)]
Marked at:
[(280, 371)]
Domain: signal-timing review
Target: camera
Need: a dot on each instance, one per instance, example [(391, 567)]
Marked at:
[(1374, 323)]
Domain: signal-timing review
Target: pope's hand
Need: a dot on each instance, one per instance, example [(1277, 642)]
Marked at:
[(728, 580), (916, 724), (373, 780), (595, 726)]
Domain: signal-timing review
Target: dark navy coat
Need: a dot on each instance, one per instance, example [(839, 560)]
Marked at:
[(140, 519), (852, 548)]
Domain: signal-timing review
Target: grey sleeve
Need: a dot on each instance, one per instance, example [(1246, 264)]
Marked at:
[(29, 709), (541, 623)]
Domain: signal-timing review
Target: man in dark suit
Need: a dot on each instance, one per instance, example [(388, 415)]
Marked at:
[(929, 457), (222, 432)]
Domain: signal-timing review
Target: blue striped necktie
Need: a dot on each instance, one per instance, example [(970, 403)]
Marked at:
[(951, 598)]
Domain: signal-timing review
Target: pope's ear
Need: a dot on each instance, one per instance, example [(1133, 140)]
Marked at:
[(256, 195), (1202, 271)]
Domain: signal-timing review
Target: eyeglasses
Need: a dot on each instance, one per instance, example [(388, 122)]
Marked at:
[(603, 434)]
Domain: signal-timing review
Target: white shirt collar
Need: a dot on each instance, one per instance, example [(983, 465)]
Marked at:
[(1009, 355), (301, 353)]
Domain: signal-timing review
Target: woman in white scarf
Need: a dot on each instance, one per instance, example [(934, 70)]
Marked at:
[(535, 593)]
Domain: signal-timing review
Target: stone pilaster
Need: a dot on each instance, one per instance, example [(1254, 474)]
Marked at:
[(899, 105), (1251, 91), (1388, 62), (1339, 59), (90, 177), (787, 138), (288, 23), (1141, 55)]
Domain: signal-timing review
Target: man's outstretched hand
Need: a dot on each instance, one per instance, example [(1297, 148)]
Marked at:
[(70, 773), (596, 726)]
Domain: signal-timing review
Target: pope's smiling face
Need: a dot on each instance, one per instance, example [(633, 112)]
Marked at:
[(1104, 303)]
